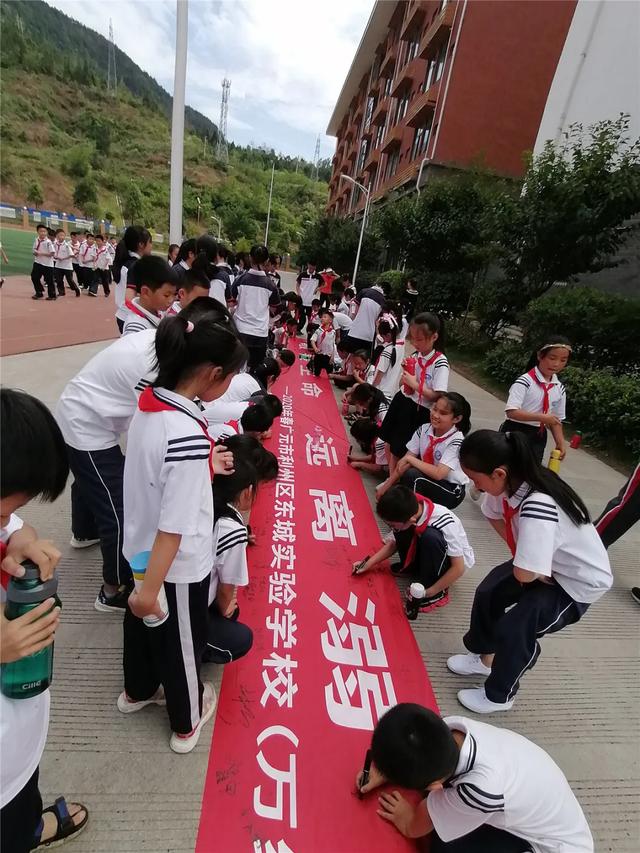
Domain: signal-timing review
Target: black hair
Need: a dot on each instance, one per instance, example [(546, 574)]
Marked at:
[(290, 320), (257, 418), (326, 311), (271, 400), (231, 258), (292, 296), (287, 357), (248, 447), (133, 237), (59, 231), (41, 225), (485, 450), (385, 287), (368, 395), (349, 291), (259, 255), (433, 323), (413, 747), (548, 344), (385, 327), (267, 370), (227, 489), (180, 352), (223, 252), (172, 246), (243, 258), (363, 354), (33, 455), (193, 278), (346, 276), (73, 234), (460, 408), (187, 248), (316, 302), (209, 245), (399, 504), (151, 271), (273, 258), (211, 309), (99, 236), (365, 431), (87, 234)]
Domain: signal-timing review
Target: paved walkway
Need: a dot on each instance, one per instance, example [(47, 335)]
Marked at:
[(580, 703)]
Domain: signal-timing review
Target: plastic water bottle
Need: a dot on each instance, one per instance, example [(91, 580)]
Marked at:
[(139, 564), (409, 365), (415, 595), (576, 439), (27, 677), (554, 461)]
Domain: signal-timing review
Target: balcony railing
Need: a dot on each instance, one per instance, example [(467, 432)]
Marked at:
[(381, 110), (438, 31), (393, 137), (422, 104), (415, 16), (413, 70)]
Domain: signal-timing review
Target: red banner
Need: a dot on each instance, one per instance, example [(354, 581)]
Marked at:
[(331, 654)]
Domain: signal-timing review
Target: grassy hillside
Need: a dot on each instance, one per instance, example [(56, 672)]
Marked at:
[(68, 146)]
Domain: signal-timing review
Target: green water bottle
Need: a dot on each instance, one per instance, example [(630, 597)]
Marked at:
[(27, 677)]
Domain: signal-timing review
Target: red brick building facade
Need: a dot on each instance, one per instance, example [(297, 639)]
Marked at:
[(443, 83)]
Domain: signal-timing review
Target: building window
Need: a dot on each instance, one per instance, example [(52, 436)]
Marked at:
[(435, 68), (362, 157), (371, 105), (401, 109), (412, 50), (392, 163), (375, 71), (387, 86), (443, 3), (379, 135), (421, 139)]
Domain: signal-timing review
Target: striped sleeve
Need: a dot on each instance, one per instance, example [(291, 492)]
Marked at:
[(440, 374), (132, 326), (187, 448), (517, 393), (483, 801), (538, 527), (458, 810), (230, 559)]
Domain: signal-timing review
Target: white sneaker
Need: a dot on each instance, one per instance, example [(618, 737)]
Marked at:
[(83, 543), (468, 665), (476, 700), (127, 706), (185, 743)]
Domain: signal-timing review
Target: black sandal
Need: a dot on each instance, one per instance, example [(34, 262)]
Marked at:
[(66, 827)]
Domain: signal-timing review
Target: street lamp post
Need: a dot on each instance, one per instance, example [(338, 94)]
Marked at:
[(219, 221), (177, 123), (199, 206), (423, 163), (367, 194), (266, 230)]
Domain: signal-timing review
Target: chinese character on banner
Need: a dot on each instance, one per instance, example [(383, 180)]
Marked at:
[(280, 777), (284, 531), (320, 451), (283, 557), (281, 686), (349, 642), (285, 490), (310, 389), (284, 509), (353, 706), (284, 628), (281, 589), (280, 847), (333, 517)]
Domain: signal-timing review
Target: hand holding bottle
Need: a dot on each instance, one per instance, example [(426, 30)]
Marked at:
[(29, 633)]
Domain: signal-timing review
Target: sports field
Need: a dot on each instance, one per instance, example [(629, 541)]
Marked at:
[(18, 245)]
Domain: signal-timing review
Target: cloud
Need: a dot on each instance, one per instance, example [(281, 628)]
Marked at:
[(286, 59)]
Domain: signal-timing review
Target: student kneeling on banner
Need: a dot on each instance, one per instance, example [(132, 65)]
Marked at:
[(487, 790), (430, 541)]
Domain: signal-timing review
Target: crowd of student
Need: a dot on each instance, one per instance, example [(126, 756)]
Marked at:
[(204, 338)]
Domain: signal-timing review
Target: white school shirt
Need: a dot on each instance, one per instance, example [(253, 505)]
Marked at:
[(97, 405), (391, 373), (167, 485), (325, 340), (341, 321), (217, 412), (254, 292), (75, 248), (369, 303), (345, 308), (454, 534), (221, 431), (218, 290), (504, 780), (121, 286), (230, 541), (103, 258), (23, 722), (526, 394), (63, 255), (87, 256), (44, 252), (309, 284), (138, 318), (550, 544), (446, 452), (436, 377), (241, 387)]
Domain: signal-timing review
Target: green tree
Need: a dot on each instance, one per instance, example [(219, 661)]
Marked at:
[(333, 241), (85, 193), (77, 161), (34, 193), (132, 200)]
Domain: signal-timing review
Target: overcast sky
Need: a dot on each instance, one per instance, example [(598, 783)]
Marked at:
[(286, 59)]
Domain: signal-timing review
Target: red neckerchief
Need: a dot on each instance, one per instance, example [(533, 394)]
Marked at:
[(508, 513), (100, 251), (324, 335), (148, 402), (427, 456), (134, 309), (423, 371), (546, 387), (84, 254), (419, 529), (235, 425)]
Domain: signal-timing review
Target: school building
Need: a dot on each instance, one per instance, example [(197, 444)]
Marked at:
[(439, 84)]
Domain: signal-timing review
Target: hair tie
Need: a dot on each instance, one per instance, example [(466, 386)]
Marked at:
[(553, 346), (190, 327), (391, 320)]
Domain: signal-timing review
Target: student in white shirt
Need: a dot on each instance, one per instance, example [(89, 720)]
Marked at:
[(33, 464), (558, 567), (168, 510), (172, 253), (425, 375), (323, 343), (254, 293), (430, 541), (431, 465), (135, 244), (308, 284), (370, 303), (388, 365), (487, 790), (101, 267), (93, 412), (155, 284), (193, 285), (43, 254), (63, 257), (537, 399), (87, 257)]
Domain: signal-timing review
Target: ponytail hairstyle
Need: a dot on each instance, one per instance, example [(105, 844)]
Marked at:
[(208, 245), (184, 345), (368, 395), (551, 342), (266, 372), (388, 325), (432, 324), (485, 450), (248, 447), (243, 476), (186, 249), (460, 408), (259, 256), (133, 237)]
